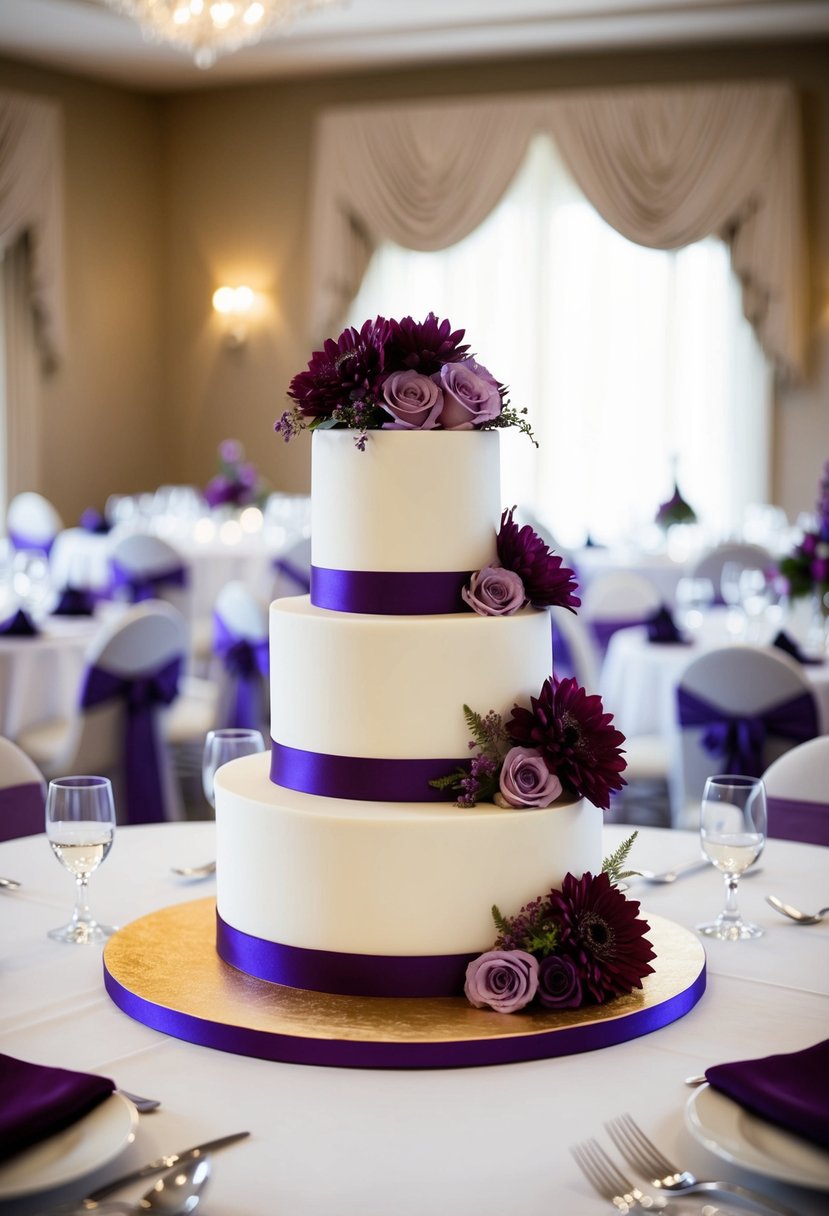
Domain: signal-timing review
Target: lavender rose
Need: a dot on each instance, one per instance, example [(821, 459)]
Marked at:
[(559, 985), (495, 591), (470, 395), (525, 779), (505, 980), (413, 400)]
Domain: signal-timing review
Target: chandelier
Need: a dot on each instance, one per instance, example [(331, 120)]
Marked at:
[(209, 28)]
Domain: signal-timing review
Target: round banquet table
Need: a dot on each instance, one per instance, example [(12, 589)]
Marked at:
[(340, 1142), (40, 677)]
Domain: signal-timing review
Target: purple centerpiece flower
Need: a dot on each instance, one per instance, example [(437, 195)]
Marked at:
[(504, 980), (230, 451), (547, 581), (559, 986), (413, 400), (494, 591), (526, 780), (469, 398)]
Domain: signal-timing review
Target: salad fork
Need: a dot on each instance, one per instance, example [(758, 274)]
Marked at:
[(607, 1179), (644, 1156)]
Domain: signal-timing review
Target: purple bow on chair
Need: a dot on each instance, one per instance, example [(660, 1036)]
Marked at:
[(142, 696), (603, 630), (145, 586), (741, 738), (22, 809), (798, 819), (245, 662)]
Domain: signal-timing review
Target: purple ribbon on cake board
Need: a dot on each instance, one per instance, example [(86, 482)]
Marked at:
[(22, 810), (388, 592), (740, 738)]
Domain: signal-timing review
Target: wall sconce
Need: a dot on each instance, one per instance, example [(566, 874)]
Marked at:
[(234, 305)]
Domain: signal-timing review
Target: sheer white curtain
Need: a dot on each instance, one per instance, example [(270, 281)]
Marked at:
[(626, 357)]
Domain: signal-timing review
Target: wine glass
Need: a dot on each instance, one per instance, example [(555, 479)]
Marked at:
[(732, 596), (221, 746), (80, 825), (732, 835), (694, 596)]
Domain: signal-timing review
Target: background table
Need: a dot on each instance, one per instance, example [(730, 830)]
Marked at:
[(40, 677), (473, 1142)]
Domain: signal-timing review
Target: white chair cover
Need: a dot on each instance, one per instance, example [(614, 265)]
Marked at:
[(797, 788), (32, 522), (615, 600), (751, 557), (241, 636)]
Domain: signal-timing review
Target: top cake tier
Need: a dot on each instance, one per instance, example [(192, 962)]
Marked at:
[(397, 528)]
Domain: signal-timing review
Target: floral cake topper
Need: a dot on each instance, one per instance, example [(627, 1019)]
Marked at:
[(397, 375), (526, 572)]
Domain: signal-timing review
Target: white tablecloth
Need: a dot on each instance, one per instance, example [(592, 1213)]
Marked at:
[(40, 676), (470, 1142)]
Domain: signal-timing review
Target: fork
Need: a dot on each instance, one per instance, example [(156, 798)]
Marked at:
[(605, 1177), (644, 1156)]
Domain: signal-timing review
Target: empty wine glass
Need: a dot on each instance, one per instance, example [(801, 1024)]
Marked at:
[(732, 596), (756, 595), (220, 747), (694, 596), (732, 835), (80, 825)]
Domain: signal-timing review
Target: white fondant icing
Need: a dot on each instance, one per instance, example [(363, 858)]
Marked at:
[(374, 878)]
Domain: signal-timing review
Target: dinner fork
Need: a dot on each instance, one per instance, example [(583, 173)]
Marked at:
[(644, 1156), (605, 1177)]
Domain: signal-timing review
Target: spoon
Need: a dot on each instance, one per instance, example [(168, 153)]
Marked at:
[(802, 918), (11, 884), (204, 871), (666, 876), (176, 1193), (142, 1105)]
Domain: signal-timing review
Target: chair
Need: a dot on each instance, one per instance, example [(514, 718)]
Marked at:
[(797, 792), (574, 649), (293, 570), (738, 708), (32, 522), (616, 600), (22, 793), (710, 565), (133, 671), (241, 646), (146, 567)]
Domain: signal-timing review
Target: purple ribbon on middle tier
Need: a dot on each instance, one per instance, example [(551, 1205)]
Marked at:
[(389, 592), (360, 778)]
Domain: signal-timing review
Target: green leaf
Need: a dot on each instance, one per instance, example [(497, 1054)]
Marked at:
[(612, 865), (448, 782)]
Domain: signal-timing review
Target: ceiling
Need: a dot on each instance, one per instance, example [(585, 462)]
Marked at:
[(87, 38)]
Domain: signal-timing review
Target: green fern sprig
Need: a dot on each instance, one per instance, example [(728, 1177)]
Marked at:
[(612, 865), (488, 733)]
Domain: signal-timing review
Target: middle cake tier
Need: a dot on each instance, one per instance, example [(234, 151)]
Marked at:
[(351, 689)]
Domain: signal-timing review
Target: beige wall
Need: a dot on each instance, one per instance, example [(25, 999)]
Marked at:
[(167, 198)]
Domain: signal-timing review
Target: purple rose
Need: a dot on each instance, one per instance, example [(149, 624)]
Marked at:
[(525, 779), (495, 591), (470, 398), (559, 985), (505, 980), (413, 400)]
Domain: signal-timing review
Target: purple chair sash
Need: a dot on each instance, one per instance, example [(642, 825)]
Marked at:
[(143, 586), (603, 631), (295, 573), (562, 655), (245, 662), (360, 778), (741, 738), (387, 592), (22, 809), (341, 973), (142, 695), (21, 541), (20, 625), (795, 819)]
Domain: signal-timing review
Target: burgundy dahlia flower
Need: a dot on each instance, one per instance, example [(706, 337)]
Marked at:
[(423, 346), (349, 370), (547, 581), (576, 737), (600, 931)]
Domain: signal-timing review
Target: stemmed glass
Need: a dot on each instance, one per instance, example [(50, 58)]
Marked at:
[(80, 825), (220, 747), (732, 835)]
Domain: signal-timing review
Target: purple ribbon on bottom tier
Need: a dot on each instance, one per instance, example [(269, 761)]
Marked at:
[(740, 738), (389, 592), (360, 778)]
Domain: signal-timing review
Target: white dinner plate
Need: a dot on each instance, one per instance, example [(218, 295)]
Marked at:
[(68, 1155), (744, 1139)]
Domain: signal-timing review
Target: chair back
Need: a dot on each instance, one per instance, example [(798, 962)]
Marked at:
[(616, 600), (292, 570), (738, 709), (797, 791), (79, 562), (147, 567), (22, 793), (241, 645), (32, 522), (710, 564), (575, 652)]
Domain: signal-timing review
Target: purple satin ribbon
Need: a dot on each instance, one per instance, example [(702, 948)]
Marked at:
[(295, 573), (145, 586), (357, 1053), (389, 593), (741, 738), (795, 819), (360, 778), (603, 631), (246, 663), (341, 973), (22, 810), (143, 695), (21, 541)]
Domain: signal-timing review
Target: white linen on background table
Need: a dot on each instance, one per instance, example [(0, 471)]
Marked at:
[(341, 1142), (40, 677)]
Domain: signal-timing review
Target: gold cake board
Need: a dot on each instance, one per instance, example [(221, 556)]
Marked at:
[(163, 970)]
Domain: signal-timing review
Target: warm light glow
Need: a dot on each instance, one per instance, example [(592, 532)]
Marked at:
[(251, 519), (230, 533), (253, 14), (233, 301), (204, 531)]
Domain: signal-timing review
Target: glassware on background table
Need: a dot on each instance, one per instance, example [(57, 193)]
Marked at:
[(732, 596), (694, 596), (732, 836), (80, 826), (755, 596), (32, 583), (222, 746)]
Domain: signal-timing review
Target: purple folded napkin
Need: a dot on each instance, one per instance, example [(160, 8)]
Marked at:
[(790, 1090), (36, 1101), (75, 601), (661, 627), (783, 642), (93, 521), (20, 625)]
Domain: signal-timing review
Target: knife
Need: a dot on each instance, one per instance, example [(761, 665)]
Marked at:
[(156, 1167)]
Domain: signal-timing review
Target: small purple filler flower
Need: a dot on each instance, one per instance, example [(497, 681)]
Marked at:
[(525, 779), (505, 980), (413, 400), (559, 986), (494, 591), (469, 399)]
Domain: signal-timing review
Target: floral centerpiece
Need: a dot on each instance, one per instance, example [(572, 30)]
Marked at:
[(806, 569), (397, 375), (675, 511), (237, 483)]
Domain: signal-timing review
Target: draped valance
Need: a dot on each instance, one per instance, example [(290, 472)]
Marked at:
[(665, 166), (31, 204)]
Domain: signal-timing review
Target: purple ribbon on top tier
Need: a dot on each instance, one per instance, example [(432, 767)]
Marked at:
[(142, 586), (22, 810), (389, 592), (142, 694), (245, 662), (740, 738), (360, 778), (798, 819)]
